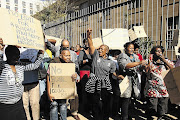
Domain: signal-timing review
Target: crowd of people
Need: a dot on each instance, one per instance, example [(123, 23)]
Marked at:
[(25, 85)]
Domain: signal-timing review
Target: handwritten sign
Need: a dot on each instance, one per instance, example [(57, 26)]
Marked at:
[(61, 84), (132, 34), (176, 50), (58, 40), (124, 85), (172, 81), (97, 42), (139, 31), (19, 29), (30, 54), (115, 38)]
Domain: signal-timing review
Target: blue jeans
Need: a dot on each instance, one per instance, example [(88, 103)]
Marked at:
[(42, 86), (54, 110)]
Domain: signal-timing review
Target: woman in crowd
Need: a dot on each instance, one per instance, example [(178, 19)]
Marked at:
[(99, 85), (155, 89), (85, 66), (129, 65), (11, 88)]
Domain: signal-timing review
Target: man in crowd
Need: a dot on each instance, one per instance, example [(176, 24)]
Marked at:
[(64, 58), (65, 44)]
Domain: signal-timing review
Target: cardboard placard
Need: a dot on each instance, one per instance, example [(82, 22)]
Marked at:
[(61, 84), (139, 31), (97, 42), (124, 85), (58, 40), (176, 50), (172, 81), (22, 30), (132, 34), (115, 38)]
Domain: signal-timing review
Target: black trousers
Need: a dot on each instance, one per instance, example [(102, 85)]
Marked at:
[(125, 107), (102, 103), (12, 111), (157, 106)]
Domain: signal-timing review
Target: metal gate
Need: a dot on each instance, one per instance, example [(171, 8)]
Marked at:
[(160, 19)]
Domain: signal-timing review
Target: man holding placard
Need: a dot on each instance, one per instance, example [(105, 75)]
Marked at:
[(60, 100)]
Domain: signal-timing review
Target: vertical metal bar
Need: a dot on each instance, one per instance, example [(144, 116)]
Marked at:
[(143, 37), (117, 14), (152, 24), (127, 15), (135, 13), (78, 32), (131, 14), (120, 15), (92, 21), (71, 28), (162, 23), (65, 27), (167, 29), (123, 16), (109, 10), (157, 23), (172, 32), (147, 29), (102, 15), (83, 21), (111, 14), (99, 18), (90, 16), (94, 13), (105, 14), (139, 12), (114, 14)]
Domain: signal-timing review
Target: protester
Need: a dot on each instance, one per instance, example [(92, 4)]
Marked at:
[(44, 102), (155, 89), (78, 49), (129, 65), (136, 51), (31, 95), (11, 88), (99, 85), (85, 66), (115, 86), (64, 58), (65, 44)]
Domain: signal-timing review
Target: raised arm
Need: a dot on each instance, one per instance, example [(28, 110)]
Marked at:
[(89, 37), (33, 66)]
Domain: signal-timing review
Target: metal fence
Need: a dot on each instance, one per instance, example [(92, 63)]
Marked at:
[(160, 19)]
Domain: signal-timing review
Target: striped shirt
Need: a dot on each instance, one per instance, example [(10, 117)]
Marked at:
[(11, 88)]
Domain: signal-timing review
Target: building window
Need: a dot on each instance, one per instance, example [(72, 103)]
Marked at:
[(16, 2), (31, 12), (7, 4), (16, 9), (7, 7), (31, 8), (170, 30), (23, 4), (38, 7), (24, 11), (134, 4)]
